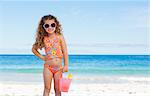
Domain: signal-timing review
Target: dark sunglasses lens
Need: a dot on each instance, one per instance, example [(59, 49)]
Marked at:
[(53, 24), (46, 25)]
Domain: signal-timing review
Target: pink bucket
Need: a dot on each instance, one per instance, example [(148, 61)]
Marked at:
[(64, 84)]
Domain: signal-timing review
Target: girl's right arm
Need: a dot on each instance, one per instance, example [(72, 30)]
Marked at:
[(36, 53)]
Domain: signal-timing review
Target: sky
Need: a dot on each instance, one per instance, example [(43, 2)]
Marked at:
[(107, 27)]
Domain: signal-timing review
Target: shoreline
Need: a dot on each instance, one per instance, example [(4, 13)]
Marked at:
[(78, 79)]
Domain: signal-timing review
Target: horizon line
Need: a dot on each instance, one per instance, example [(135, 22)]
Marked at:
[(80, 54)]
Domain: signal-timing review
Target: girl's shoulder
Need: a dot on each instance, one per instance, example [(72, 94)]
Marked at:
[(59, 36)]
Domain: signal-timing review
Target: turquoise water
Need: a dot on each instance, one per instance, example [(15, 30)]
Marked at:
[(81, 64)]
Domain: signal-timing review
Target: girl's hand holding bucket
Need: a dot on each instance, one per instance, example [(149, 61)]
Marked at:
[(65, 69)]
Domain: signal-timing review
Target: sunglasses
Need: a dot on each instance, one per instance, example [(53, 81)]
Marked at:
[(49, 25)]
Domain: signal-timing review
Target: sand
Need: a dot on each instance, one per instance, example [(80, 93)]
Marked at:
[(77, 89)]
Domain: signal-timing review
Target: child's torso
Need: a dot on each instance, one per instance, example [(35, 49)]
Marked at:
[(53, 47)]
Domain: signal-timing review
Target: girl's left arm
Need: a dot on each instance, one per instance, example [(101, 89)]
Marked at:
[(65, 53)]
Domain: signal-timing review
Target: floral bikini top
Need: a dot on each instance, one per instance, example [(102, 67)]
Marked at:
[(53, 47)]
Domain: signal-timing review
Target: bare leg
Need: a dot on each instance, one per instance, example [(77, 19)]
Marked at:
[(47, 76), (56, 82)]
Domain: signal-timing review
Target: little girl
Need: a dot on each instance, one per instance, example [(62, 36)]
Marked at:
[(50, 38)]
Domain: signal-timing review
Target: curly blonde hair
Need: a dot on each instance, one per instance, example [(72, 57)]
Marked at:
[(41, 33)]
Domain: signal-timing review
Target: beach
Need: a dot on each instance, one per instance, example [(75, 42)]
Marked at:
[(92, 76), (123, 86)]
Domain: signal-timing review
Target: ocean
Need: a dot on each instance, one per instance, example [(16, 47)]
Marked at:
[(126, 65)]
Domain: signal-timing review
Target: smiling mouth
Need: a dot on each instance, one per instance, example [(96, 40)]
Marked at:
[(50, 30)]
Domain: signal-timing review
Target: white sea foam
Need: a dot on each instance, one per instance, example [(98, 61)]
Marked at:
[(136, 78)]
